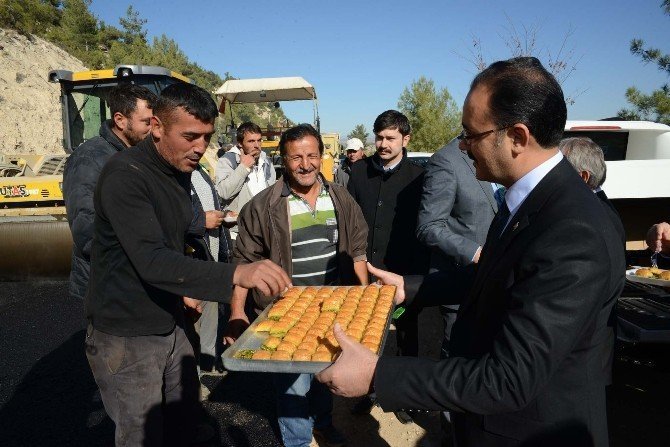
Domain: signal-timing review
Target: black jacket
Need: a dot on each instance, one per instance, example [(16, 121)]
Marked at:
[(531, 344), (390, 203), (618, 226), (80, 176), (139, 272)]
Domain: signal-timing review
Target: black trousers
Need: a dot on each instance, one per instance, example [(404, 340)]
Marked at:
[(407, 332), (148, 384)]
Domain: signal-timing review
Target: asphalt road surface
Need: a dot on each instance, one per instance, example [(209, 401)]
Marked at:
[(48, 396)]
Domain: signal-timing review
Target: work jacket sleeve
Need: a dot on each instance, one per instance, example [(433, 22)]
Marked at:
[(197, 227), (250, 244), (358, 233), (551, 304), (79, 183), (136, 225), (230, 176)]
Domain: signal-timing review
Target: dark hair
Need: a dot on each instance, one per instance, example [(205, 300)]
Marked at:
[(246, 128), (123, 98), (193, 99), (523, 91), (298, 133), (392, 119)]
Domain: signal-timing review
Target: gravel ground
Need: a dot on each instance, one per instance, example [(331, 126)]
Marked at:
[(48, 396)]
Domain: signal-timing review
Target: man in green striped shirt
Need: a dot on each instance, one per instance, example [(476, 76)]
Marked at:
[(316, 232), (313, 239)]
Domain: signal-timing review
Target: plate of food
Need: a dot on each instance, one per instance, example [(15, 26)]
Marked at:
[(295, 333), (230, 217), (649, 275)]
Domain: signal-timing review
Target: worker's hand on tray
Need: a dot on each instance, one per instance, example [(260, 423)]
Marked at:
[(266, 276), (237, 323), (193, 307), (353, 372), (391, 279)]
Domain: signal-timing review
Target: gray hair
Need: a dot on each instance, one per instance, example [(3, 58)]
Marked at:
[(585, 155)]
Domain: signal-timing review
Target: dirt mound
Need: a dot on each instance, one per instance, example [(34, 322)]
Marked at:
[(30, 111)]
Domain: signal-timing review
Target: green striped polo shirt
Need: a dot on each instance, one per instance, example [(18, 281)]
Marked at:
[(313, 240)]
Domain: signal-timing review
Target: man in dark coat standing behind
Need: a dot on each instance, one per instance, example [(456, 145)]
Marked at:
[(526, 365), (130, 107), (387, 186)]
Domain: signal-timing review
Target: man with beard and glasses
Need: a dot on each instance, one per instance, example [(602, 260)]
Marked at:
[(130, 109), (529, 350), (316, 232)]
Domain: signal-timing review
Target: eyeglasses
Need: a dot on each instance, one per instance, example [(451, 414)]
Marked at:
[(467, 139)]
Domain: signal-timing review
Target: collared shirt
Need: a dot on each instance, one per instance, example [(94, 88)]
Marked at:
[(390, 167), (314, 239), (517, 193)]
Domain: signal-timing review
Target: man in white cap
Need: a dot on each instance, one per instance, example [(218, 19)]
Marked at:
[(354, 152)]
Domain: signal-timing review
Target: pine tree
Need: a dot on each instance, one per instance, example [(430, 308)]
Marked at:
[(656, 105), (359, 132), (434, 116)]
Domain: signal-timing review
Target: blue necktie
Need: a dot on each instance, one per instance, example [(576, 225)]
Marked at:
[(498, 225), (499, 194)]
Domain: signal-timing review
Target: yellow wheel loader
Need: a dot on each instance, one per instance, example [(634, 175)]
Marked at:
[(35, 239)]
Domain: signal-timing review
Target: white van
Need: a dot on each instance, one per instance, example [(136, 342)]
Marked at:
[(638, 171)]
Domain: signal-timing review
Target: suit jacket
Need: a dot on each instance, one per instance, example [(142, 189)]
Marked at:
[(528, 344), (613, 214), (618, 226), (455, 213)]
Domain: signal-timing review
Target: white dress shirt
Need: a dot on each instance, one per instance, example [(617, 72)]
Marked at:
[(519, 191)]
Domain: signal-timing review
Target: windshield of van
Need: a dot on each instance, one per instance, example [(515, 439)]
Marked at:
[(613, 144)]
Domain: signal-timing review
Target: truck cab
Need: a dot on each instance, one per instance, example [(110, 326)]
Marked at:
[(84, 96)]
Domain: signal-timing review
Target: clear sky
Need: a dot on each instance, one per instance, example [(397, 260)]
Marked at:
[(360, 55)]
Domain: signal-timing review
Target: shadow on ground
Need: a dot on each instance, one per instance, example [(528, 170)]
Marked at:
[(48, 396), (57, 403)]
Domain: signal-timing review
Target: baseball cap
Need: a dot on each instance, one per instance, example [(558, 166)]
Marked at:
[(354, 144)]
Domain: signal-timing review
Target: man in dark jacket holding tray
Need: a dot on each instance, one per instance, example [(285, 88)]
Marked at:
[(140, 276)]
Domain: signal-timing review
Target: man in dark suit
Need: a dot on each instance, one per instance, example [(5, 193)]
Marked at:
[(388, 189), (526, 352)]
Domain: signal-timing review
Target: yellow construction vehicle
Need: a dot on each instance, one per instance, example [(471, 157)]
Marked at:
[(35, 238), (274, 90)]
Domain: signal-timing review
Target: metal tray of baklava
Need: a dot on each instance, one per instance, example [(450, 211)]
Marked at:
[(251, 339)]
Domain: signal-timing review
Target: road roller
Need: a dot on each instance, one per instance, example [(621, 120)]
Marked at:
[(35, 239)]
